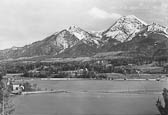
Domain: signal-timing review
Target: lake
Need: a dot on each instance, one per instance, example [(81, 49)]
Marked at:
[(92, 97)]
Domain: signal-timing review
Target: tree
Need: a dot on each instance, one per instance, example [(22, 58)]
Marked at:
[(6, 105), (27, 86), (163, 109), (1, 91)]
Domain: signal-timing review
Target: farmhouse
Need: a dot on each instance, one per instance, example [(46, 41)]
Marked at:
[(17, 88)]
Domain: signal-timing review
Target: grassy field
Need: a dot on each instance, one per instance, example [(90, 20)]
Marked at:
[(92, 97)]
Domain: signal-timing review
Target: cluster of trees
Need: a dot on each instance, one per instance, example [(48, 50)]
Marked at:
[(1, 91), (44, 69), (30, 87), (6, 105)]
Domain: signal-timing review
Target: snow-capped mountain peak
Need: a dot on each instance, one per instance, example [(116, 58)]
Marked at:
[(78, 32), (125, 28), (84, 36), (133, 17)]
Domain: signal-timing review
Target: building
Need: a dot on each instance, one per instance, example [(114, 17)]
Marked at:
[(17, 88)]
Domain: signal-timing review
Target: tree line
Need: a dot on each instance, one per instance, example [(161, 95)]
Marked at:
[(97, 66)]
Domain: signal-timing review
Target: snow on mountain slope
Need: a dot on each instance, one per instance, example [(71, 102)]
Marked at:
[(78, 32), (84, 36), (65, 39), (157, 28), (97, 33), (125, 28)]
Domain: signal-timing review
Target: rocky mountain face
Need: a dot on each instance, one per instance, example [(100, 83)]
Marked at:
[(128, 33)]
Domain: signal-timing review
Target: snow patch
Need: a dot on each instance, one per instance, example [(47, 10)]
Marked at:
[(79, 36)]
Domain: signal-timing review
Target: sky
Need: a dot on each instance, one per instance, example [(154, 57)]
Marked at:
[(25, 21)]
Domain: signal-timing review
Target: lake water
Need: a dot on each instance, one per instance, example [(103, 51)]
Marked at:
[(93, 98)]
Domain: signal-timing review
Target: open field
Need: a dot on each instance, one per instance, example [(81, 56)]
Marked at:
[(92, 97), (99, 85)]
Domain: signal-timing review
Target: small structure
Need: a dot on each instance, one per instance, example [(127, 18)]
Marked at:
[(17, 88)]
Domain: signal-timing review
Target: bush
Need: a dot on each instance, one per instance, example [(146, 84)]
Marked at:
[(28, 87)]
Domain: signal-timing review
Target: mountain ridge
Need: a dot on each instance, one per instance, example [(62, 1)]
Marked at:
[(128, 33)]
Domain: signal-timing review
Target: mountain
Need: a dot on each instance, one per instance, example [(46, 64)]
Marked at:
[(87, 45), (128, 34), (151, 42), (54, 44), (49, 46), (124, 29)]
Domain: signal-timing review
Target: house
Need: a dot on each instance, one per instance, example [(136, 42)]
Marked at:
[(17, 88)]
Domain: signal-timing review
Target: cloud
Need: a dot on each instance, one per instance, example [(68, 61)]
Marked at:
[(101, 14)]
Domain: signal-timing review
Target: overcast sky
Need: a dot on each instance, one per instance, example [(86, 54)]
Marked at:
[(25, 21)]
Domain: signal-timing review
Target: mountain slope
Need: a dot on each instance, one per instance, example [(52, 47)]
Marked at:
[(54, 44), (49, 46), (145, 44), (79, 50)]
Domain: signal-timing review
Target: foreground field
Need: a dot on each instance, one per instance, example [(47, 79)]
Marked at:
[(92, 97)]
